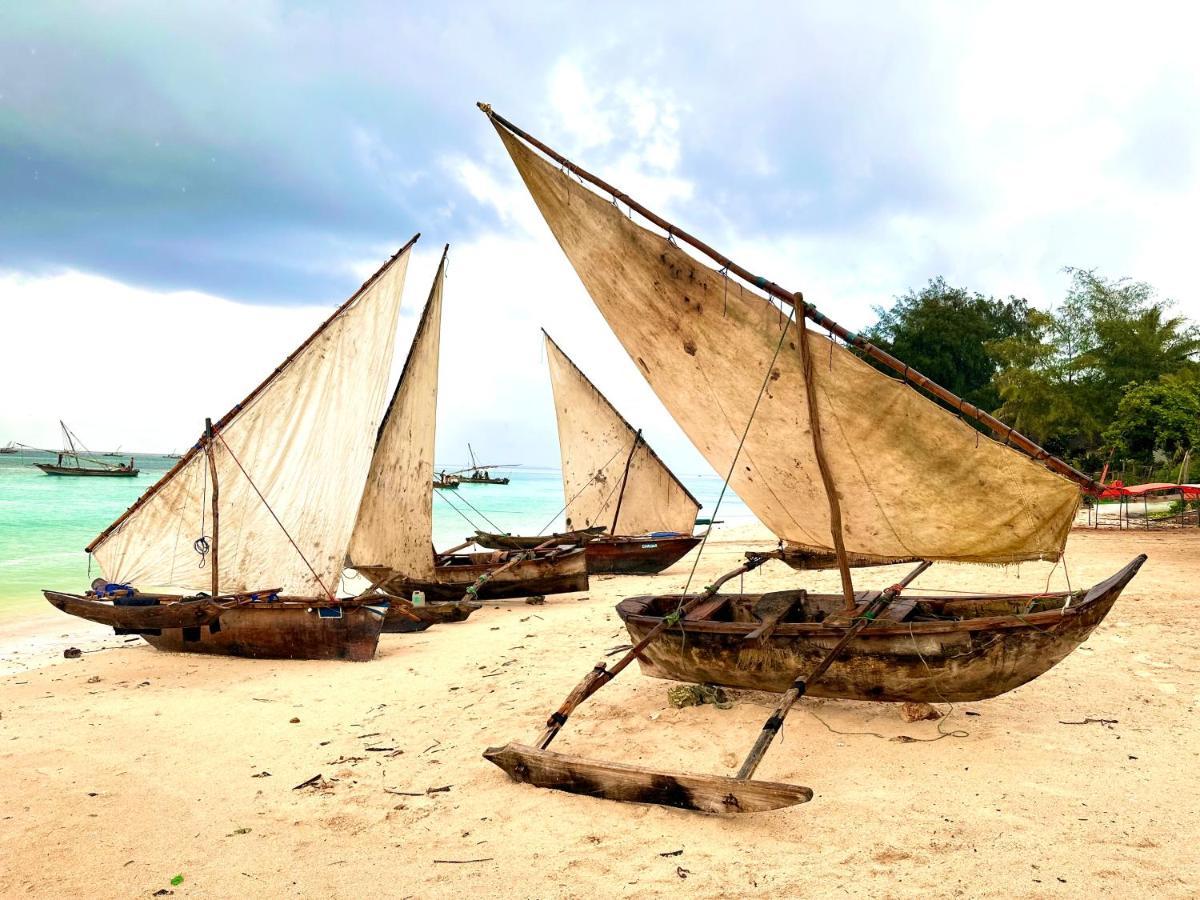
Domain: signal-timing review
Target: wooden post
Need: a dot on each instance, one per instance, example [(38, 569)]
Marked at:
[(637, 439), (814, 421), (216, 511)]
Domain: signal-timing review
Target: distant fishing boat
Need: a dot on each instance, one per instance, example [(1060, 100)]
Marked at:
[(446, 482), (10, 447), (628, 509), (261, 510), (71, 462), (391, 545), (477, 474)]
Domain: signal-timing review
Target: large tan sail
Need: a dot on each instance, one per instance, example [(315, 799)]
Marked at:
[(395, 520), (913, 479), (596, 444), (305, 439)]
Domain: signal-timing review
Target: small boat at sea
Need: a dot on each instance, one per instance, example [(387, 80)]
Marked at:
[(8, 448), (392, 543), (260, 512), (846, 465), (631, 513), (477, 474), (444, 482), (73, 461)]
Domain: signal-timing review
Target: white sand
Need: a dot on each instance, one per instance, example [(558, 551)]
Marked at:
[(129, 766)]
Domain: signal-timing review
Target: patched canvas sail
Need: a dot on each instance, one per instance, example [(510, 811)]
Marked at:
[(596, 444), (913, 479), (395, 520), (304, 441)]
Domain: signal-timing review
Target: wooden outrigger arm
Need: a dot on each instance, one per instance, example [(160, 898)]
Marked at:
[(614, 781)]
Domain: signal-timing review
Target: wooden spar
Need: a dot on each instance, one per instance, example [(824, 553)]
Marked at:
[(210, 449), (601, 674), (1009, 435), (463, 546), (796, 691), (835, 505), (637, 439), (225, 419), (472, 592)]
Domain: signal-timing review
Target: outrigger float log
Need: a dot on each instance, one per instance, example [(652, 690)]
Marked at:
[(844, 464)]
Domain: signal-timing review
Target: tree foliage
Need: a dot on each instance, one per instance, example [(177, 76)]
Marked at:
[(1110, 369)]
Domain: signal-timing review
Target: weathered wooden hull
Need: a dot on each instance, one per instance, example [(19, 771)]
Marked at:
[(548, 573), (494, 541), (283, 629), (427, 614), (980, 647), (52, 469), (184, 614), (619, 555)]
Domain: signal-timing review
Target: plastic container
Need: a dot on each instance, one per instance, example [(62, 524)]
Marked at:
[(418, 598)]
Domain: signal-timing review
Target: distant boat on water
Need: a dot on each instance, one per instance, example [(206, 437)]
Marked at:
[(477, 474), (445, 482), (73, 463), (10, 447)]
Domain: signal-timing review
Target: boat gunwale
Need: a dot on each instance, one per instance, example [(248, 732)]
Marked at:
[(629, 610)]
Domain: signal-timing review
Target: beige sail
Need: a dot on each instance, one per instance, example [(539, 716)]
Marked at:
[(395, 520), (913, 479), (596, 443), (304, 442)]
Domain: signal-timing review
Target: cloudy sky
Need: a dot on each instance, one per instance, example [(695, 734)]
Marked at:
[(188, 188)]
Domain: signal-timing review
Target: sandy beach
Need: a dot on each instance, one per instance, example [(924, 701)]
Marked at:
[(127, 767)]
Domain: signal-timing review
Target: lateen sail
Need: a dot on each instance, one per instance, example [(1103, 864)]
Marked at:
[(595, 443), (395, 520), (306, 441), (913, 479)]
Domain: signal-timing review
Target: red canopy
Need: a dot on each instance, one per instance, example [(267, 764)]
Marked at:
[(1117, 489)]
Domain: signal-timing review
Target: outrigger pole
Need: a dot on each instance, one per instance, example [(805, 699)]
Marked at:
[(796, 299)]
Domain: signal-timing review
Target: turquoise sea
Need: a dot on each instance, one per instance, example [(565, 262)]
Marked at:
[(46, 521)]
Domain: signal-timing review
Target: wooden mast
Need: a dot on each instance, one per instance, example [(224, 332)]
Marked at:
[(835, 506), (210, 450), (225, 419), (637, 439), (795, 299)]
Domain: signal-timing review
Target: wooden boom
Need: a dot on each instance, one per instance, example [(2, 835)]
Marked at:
[(796, 299)]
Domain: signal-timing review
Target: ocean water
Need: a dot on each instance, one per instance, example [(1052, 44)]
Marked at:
[(46, 521)]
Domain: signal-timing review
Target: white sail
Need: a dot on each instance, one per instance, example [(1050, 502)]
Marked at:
[(291, 464), (913, 479), (395, 520), (598, 448)]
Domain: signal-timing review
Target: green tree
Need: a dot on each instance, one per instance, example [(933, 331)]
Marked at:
[(945, 333), (1159, 415)]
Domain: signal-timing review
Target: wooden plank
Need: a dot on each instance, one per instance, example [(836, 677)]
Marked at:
[(770, 610), (706, 609), (899, 610), (633, 784)]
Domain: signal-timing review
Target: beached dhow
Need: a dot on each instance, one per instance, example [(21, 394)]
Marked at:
[(73, 461), (260, 512), (846, 465), (392, 541), (623, 503)]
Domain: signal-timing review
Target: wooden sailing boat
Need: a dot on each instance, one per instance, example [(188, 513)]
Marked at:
[(10, 447), (631, 512), (391, 545), (71, 462), (261, 510), (477, 474), (844, 464), (445, 482)]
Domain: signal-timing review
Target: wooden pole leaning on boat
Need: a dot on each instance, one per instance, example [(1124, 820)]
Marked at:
[(814, 423), (472, 593), (800, 685), (210, 450)]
